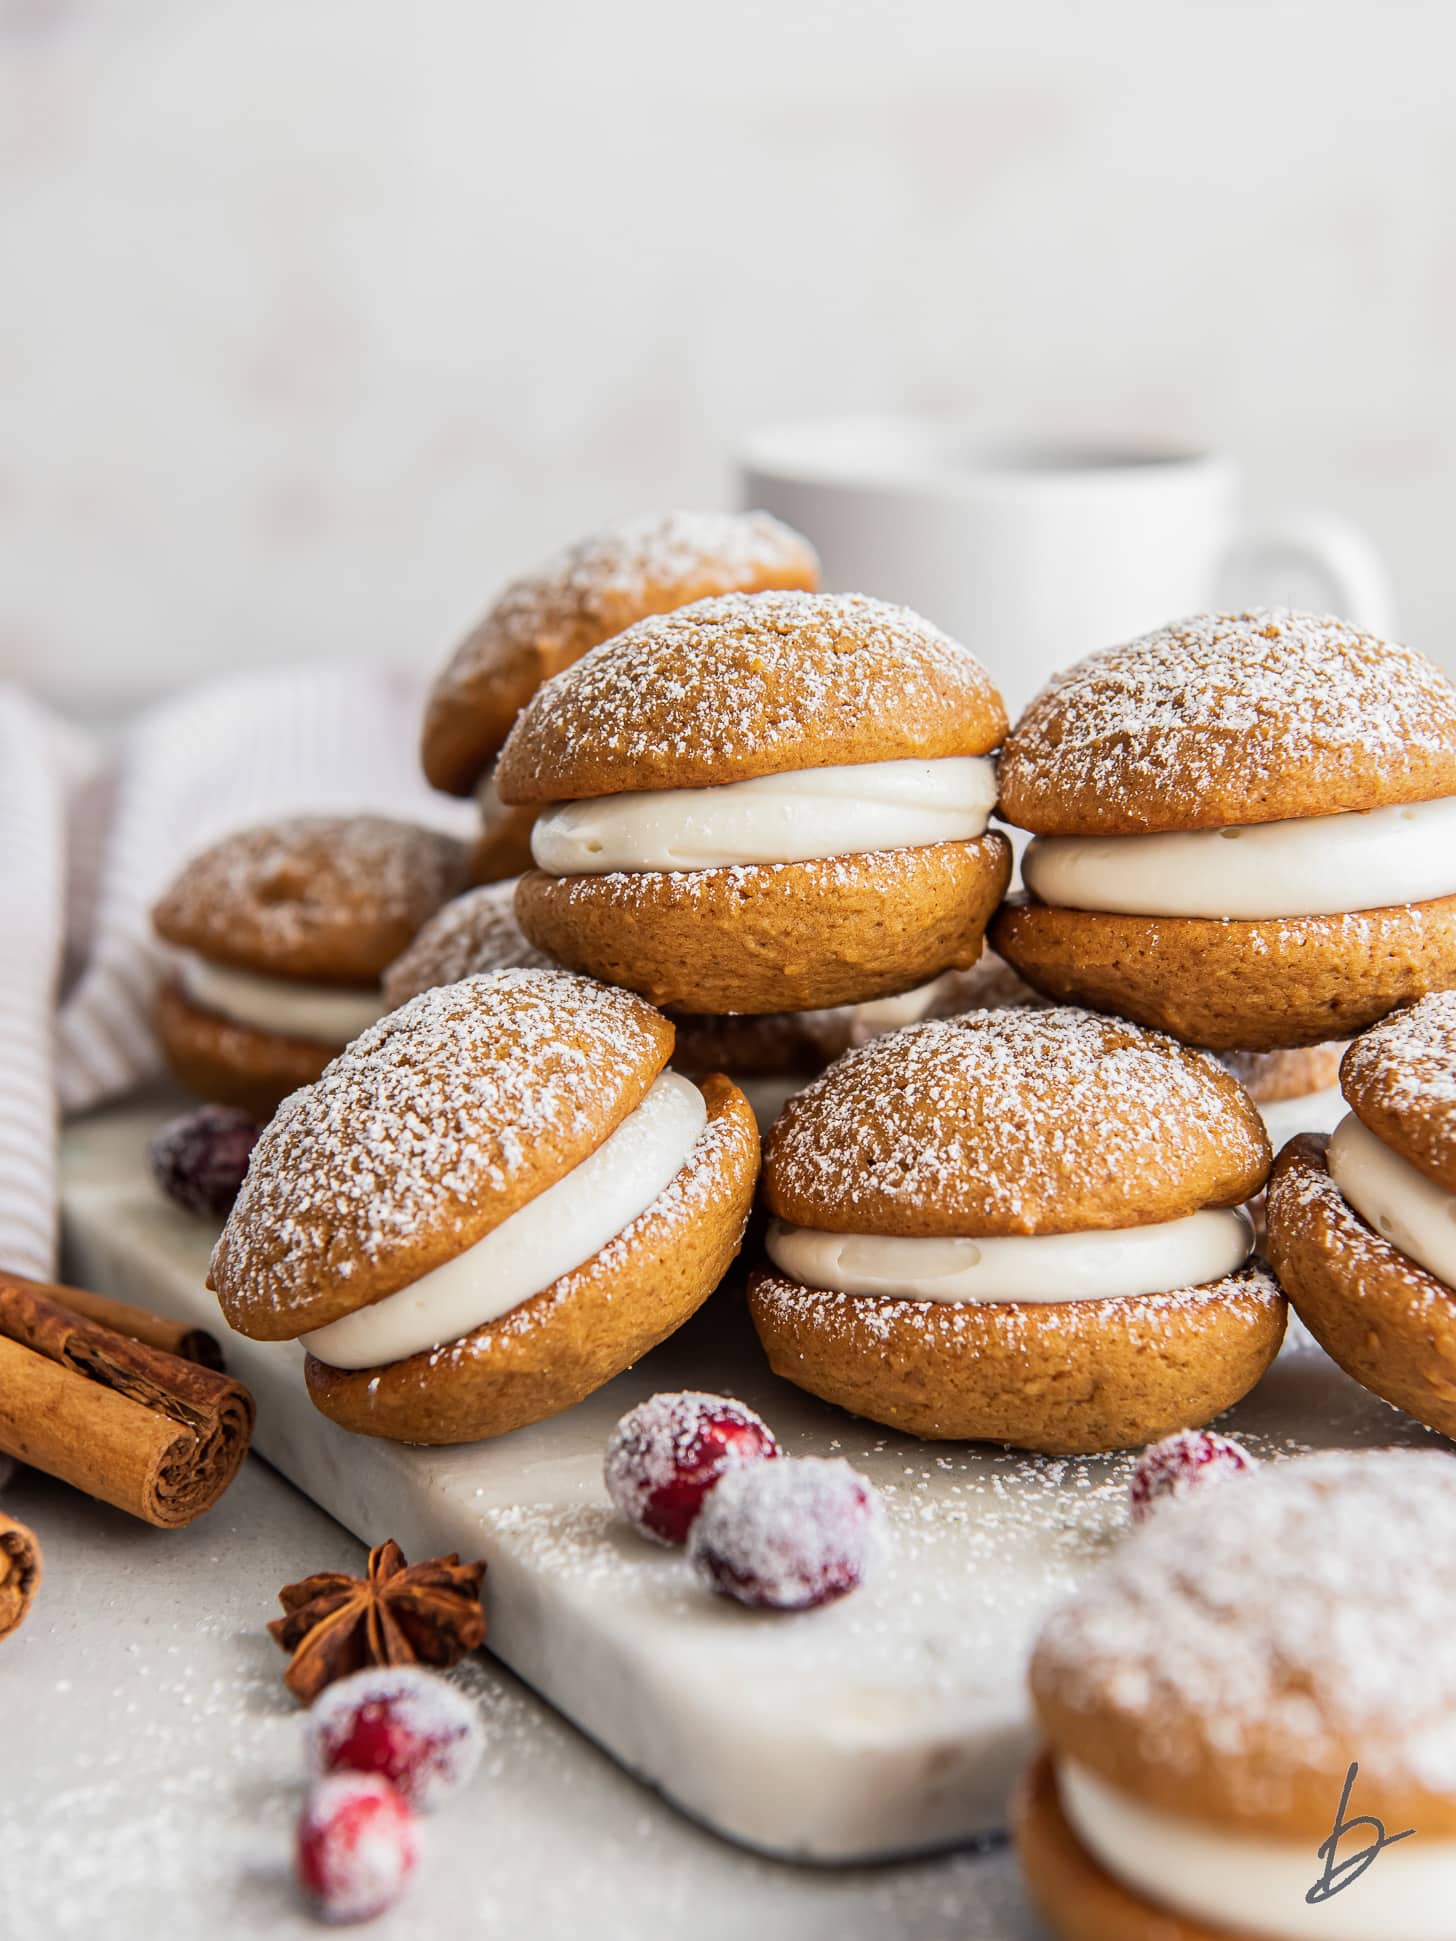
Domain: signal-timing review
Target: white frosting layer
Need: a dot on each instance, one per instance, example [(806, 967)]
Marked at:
[(1410, 1211), (794, 818), (541, 1241), (1046, 1268), (328, 1014), (1243, 1884), (1315, 1112), (1319, 866), (880, 1014)]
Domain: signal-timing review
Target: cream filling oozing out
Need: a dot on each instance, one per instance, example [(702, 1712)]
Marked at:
[(558, 1230), (1405, 1207), (1317, 866), (328, 1014), (1047, 1268), (800, 817), (1239, 1883)]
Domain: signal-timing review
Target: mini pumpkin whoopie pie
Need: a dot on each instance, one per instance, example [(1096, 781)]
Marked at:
[(1254, 1692), (1021, 1227), (490, 1204), (769, 802), (279, 935), (1362, 1225), (548, 619), (1245, 831)]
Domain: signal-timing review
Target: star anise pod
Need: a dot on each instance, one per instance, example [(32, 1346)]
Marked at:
[(398, 1614)]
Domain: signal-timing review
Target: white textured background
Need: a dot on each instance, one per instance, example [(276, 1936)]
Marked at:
[(319, 316)]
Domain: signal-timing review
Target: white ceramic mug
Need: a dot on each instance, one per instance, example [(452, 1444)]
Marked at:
[(1034, 556)]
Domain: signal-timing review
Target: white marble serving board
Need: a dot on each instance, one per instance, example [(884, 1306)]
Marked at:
[(890, 1723)]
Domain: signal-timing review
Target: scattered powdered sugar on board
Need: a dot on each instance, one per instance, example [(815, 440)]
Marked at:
[(476, 932), (1141, 735), (787, 1536), (1004, 1109), (1308, 1605), (427, 1120)]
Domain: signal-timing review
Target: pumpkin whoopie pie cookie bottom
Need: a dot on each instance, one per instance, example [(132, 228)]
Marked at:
[(1064, 1378), (228, 1063), (774, 936), (1255, 985)]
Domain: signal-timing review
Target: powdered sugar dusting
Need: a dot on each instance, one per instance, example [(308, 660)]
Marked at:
[(1252, 708), (788, 1535), (760, 675), (473, 933), (427, 1122), (1002, 1111), (1408, 1063), (667, 1453), (1308, 1606), (428, 1729)]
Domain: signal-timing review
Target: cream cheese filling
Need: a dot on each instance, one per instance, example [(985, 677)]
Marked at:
[(1048, 1268), (558, 1230), (1243, 1884), (328, 1014), (1316, 866), (1409, 1210), (803, 816)]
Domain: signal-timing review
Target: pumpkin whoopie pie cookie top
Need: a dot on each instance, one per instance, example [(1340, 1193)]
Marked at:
[(429, 1132), (590, 591), (1400, 1081), (473, 933), (1014, 1122), (1229, 719), (749, 686), (331, 898), (1209, 1693)]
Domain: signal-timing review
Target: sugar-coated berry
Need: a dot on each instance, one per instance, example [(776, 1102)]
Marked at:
[(199, 1159), (788, 1535), (410, 1725), (356, 1846), (1183, 1464), (667, 1454)]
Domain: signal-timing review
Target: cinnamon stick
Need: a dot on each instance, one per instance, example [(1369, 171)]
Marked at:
[(20, 1573), (158, 1436), (139, 1323)]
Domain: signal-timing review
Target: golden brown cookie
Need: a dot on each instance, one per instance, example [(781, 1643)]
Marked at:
[(330, 899), (412, 1215), (1250, 986), (550, 618), (278, 935), (551, 1351), (473, 933), (1245, 830), (1213, 1689), (778, 936), (1067, 1378), (1374, 1310), (1400, 1080), (1275, 1077), (1229, 719), (502, 850), (232, 1064), (1017, 1226)]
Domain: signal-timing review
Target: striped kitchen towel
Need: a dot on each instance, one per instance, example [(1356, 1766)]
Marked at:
[(90, 834)]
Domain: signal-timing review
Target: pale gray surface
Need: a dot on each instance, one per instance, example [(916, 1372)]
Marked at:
[(151, 1773)]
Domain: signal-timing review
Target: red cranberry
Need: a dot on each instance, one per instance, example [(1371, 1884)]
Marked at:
[(1182, 1465), (407, 1724), (667, 1454), (356, 1846), (199, 1159), (788, 1535)]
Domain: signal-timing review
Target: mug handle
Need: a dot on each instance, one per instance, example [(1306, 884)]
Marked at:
[(1318, 561)]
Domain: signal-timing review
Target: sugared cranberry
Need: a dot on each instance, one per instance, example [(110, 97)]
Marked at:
[(356, 1846), (408, 1724), (199, 1159), (788, 1535), (1183, 1464), (667, 1454)]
